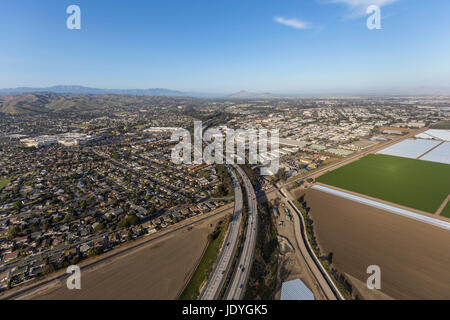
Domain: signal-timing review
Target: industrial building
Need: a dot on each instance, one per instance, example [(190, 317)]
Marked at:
[(296, 290)]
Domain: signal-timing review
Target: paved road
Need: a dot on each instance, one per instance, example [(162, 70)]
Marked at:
[(241, 274), (219, 274)]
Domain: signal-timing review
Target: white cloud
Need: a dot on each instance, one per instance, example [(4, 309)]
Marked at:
[(293, 23), (359, 7)]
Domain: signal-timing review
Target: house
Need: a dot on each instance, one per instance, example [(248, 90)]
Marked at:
[(10, 256), (71, 253), (4, 276), (85, 247), (35, 271)]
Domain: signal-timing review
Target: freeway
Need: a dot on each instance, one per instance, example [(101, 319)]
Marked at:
[(218, 276), (241, 274)]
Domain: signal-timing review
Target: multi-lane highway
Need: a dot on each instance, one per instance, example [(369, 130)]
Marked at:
[(218, 276), (241, 274), (238, 283)]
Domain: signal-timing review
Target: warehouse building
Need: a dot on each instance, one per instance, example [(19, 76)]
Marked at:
[(296, 290)]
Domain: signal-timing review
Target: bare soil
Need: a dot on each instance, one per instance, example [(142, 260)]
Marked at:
[(414, 257), (292, 264), (157, 271)]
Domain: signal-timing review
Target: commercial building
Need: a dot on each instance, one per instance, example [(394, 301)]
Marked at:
[(296, 290)]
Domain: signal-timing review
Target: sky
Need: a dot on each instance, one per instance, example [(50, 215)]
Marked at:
[(216, 46)]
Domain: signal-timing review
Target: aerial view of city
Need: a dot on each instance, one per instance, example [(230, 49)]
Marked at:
[(192, 151)]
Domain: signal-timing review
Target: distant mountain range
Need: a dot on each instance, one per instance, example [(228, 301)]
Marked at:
[(48, 102), (27, 100), (251, 95), (86, 90), (137, 92), (244, 95)]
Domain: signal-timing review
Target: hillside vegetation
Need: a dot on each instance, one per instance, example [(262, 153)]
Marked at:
[(46, 102)]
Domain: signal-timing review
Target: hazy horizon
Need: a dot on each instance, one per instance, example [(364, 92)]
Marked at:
[(292, 48), (412, 91)]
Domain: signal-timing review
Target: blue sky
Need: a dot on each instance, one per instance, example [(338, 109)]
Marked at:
[(301, 46)]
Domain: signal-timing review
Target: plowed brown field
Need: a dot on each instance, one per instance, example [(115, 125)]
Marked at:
[(414, 257)]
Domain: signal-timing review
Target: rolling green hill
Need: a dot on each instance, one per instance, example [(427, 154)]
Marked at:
[(46, 102), (49, 102)]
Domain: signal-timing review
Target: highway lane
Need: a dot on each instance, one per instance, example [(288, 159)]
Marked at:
[(322, 277), (238, 284), (240, 277), (218, 276)]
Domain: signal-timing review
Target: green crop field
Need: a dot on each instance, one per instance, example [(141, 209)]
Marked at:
[(442, 125), (417, 184), (446, 211)]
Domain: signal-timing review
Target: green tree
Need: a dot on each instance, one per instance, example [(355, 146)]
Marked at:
[(13, 233), (132, 219), (99, 227), (18, 205), (49, 268), (123, 223), (94, 252)]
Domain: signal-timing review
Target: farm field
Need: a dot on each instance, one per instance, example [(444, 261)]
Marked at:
[(440, 154), (413, 256), (442, 125), (157, 271), (409, 182), (446, 211), (410, 148), (441, 135)]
